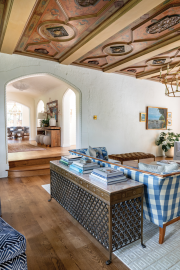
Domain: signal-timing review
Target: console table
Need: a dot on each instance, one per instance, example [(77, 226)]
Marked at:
[(55, 134), (113, 214)]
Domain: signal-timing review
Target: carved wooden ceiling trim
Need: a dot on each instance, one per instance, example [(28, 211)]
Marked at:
[(5, 10), (171, 57), (138, 37), (64, 23), (57, 28)]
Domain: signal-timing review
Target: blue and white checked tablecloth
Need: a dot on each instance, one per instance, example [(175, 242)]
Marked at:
[(161, 194)]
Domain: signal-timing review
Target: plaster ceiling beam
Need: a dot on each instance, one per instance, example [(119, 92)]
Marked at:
[(148, 53), (131, 11), (19, 14)]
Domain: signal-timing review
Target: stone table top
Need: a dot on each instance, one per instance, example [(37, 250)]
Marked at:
[(127, 185)]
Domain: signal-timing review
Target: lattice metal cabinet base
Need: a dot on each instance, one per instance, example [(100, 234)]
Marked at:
[(114, 219)]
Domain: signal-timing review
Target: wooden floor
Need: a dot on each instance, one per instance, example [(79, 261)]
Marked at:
[(54, 239), (50, 152)]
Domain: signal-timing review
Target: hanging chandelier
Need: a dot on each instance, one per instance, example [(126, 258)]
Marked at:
[(170, 79)]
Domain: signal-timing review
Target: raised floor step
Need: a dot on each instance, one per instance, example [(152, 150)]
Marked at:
[(31, 162), (27, 171)]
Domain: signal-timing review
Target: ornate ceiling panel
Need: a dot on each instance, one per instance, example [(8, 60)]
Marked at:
[(58, 29), (150, 68), (150, 31), (58, 25)]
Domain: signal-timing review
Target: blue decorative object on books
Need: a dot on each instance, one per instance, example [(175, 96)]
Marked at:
[(101, 152), (12, 248)]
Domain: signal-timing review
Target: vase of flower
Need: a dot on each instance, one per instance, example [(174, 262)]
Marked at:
[(170, 152), (52, 121), (167, 141)]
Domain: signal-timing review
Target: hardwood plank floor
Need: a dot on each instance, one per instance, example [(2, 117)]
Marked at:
[(54, 239), (50, 152)]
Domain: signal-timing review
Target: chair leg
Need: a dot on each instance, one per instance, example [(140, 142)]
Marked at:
[(162, 232)]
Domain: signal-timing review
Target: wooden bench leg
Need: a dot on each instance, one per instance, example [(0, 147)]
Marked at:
[(162, 234)]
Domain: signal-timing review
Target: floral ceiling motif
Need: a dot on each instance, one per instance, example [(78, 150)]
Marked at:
[(62, 24), (163, 24)]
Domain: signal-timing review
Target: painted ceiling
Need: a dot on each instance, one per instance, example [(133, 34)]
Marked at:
[(58, 28), (152, 29)]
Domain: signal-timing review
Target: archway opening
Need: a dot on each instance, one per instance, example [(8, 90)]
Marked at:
[(69, 118), (45, 87)]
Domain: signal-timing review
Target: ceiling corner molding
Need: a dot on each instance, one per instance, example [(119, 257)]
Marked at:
[(130, 12), (6, 15), (17, 14)]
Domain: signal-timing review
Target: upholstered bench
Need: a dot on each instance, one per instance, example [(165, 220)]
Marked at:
[(12, 248), (131, 156)]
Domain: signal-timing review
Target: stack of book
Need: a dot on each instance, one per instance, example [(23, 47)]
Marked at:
[(84, 166), (108, 175), (68, 160)]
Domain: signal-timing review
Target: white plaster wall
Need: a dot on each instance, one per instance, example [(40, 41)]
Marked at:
[(29, 102), (73, 119), (69, 122), (25, 116), (115, 99), (66, 119)]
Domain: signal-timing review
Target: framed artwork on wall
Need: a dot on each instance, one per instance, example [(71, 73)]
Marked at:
[(156, 118), (169, 122), (142, 117), (52, 108), (169, 115)]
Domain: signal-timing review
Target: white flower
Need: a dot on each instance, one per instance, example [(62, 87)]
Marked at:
[(164, 143)]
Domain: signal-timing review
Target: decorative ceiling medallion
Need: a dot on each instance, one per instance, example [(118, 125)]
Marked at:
[(159, 61), (93, 62), (117, 49), (86, 3), (57, 31), (163, 24), (132, 70), (41, 50)]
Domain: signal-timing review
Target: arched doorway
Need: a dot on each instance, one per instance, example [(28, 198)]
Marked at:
[(68, 85), (69, 118)]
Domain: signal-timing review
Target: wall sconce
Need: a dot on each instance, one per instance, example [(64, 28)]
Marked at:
[(95, 117)]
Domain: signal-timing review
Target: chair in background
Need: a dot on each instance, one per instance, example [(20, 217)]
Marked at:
[(176, 151), (17, 132), (9, 133), (26, 131)]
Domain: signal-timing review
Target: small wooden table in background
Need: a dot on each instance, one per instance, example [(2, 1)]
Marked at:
[(55, 133)]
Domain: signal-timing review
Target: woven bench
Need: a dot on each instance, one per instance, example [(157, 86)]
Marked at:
[(130, 156)]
